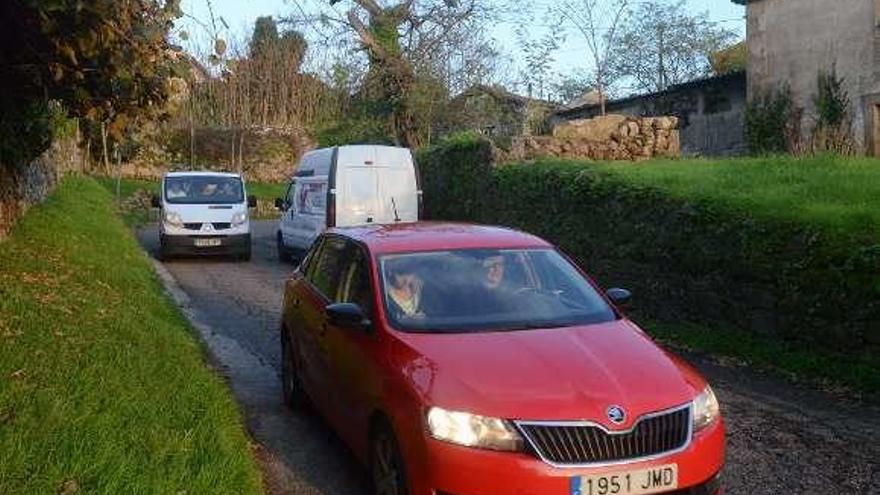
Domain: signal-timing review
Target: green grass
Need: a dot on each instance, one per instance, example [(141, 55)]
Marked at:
[(266, 191), (102, 383), (828, 370), (831, 192)]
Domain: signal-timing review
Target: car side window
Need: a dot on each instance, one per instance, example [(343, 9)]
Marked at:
[(356, 287), (290, 197), (326, 270)]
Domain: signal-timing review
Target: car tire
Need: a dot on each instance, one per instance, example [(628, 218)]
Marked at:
[(387, 469), (245, 255), (283, 253), (162, 252), (291, 386)]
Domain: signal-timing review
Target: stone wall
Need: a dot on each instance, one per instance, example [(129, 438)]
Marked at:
[(22, 186), (711, 113), (261, 154), (612, 137)]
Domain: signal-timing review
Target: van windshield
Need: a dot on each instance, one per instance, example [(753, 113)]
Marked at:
[(204, 189), (487, 290)]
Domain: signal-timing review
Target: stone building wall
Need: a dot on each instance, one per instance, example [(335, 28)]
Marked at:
[(613, 137), (25, 185), (791, 41)]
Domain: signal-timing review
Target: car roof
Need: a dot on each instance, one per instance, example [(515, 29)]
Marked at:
[(202, 173), (436, 236)]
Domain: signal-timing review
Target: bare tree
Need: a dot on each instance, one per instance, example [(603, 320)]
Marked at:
[(411, 45), (587, 17), (663, 45), (539, 59)]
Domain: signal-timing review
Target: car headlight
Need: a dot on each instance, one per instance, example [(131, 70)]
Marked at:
[(239, 218), (471, 430), (706, 409), (173, 218)]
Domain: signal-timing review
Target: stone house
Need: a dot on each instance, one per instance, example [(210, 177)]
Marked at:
[(497, 113), (791, 41), (710, 111)]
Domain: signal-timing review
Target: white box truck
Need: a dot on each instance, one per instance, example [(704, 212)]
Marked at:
[(347, 186)]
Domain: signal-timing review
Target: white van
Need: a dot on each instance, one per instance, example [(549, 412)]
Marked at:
[(204, 213), (345, 186)]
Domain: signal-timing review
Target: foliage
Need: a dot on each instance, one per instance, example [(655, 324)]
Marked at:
[(769, 120), (662, 44), (104, 385), (783, 250), (103, 60), (832, 100), (418, 52), (734, 58)]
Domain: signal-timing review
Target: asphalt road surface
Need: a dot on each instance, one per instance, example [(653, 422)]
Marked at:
[(782, 439)]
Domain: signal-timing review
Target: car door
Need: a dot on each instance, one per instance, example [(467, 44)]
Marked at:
[(287, 216), (355, 353), (319, 289)]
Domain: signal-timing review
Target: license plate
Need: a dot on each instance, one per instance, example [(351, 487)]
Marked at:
[(637, 482), (208, 242)]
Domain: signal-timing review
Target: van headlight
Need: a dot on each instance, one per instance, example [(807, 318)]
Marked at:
[(471, 430), (706, 409), (239, 218), (173, 218)]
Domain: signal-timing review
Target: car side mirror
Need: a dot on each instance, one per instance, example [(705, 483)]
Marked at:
[(348, 315), (252, 201), (279, 204), (155, 202), (619, 296)]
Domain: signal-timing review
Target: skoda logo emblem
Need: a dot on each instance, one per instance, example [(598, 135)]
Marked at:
[(616, 414)]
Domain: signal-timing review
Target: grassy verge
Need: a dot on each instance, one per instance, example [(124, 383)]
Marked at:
[(135, 198), (832, 192), (103, 387), (854, 374)]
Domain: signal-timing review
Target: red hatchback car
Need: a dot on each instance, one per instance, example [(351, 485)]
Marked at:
[(469, 360)]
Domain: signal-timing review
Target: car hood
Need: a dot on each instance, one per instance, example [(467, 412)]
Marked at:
[(554, 374)]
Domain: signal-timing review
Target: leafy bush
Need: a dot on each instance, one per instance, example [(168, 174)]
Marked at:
[(769, 119), (687, 258)]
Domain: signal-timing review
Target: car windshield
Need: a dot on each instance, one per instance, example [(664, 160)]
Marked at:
[(487, 290), (204, 189)]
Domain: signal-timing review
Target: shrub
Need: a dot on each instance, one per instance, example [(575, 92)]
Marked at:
[(769, 121)]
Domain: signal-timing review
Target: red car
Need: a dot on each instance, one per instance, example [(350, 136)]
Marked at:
[(469, 360)]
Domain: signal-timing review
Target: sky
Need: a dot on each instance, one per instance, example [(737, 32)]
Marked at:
[(571, 57)]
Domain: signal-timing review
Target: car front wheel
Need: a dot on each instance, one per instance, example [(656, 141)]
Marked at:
[(386, 464)]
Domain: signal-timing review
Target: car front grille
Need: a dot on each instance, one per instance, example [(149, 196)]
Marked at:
[(222, 226), (585, 443), (192, 226)]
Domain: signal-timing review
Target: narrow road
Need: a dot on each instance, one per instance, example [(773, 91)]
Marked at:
[(782, 439)]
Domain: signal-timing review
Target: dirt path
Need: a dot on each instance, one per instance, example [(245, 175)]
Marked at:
[(782, 439)]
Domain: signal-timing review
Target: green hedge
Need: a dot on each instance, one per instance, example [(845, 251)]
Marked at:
[(686, 259)]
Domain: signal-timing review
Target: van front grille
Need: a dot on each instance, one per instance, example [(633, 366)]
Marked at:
[(573, 443), (192, 226)]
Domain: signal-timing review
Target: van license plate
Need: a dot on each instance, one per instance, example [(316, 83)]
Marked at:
[(208, 242), (637, 482)]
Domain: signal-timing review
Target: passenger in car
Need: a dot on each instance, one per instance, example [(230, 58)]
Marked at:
[(406, 291)]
